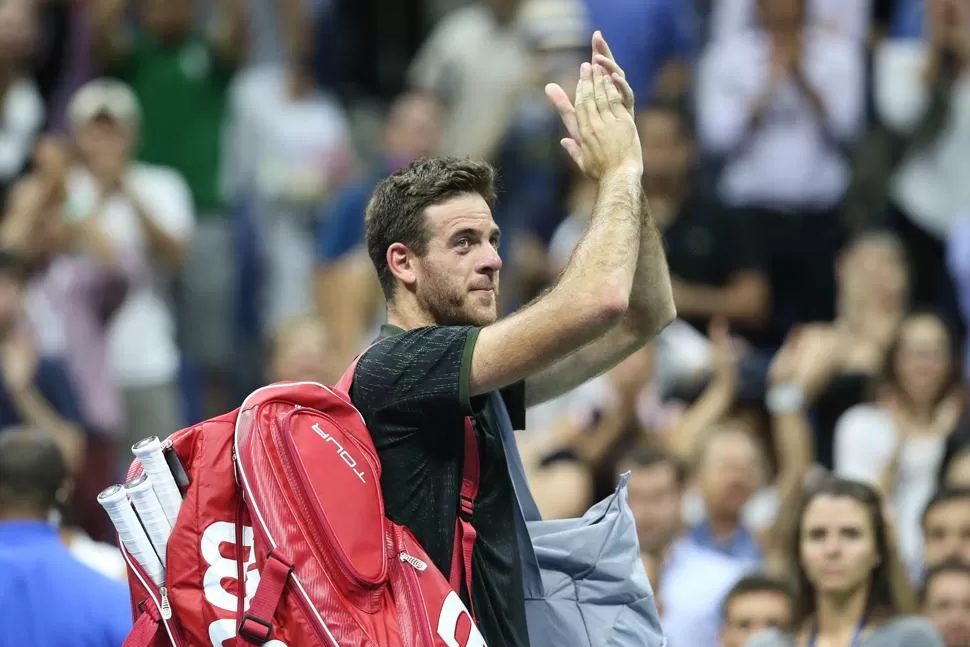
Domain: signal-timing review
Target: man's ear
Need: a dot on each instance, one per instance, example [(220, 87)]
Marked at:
[(400, 260), (64, 493)]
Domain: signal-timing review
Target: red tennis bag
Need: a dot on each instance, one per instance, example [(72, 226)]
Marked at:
[(282, 541)]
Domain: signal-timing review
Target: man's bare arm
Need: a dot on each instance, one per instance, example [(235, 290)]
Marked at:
[(108, 39), (651, 308), (593, 293), (230, 33)]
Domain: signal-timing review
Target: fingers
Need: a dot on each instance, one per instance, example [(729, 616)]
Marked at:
[(626, 91), (585, 101), (611, 66), (558, 97), (600, 92), (600, 45), (574, 151), (617, 105), (619, 78), (717, 330)]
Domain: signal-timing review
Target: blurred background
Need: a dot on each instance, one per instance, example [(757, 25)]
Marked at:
[(185, 181)]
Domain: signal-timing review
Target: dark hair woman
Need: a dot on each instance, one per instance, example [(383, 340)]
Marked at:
[(853, 590)]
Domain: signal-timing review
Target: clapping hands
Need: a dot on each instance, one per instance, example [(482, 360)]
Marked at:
[(602, 133)]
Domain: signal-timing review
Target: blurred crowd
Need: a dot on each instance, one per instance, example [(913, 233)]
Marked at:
[(184, 184)]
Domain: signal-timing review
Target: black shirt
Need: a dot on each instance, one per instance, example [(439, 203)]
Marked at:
[(709, 245), (413, 392)]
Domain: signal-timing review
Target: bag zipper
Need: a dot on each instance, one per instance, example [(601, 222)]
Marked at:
[(412, 591), (311, 509), (162, 603)]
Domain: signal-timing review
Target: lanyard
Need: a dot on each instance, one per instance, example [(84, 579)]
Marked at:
[(855, 636)]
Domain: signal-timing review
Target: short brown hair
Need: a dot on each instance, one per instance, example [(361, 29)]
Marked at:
[(395, 213), (758, 583)]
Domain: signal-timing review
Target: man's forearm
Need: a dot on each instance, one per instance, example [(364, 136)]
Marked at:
[(651, 298), (650, 308), (604, 260), (35, 411), (590, 298)]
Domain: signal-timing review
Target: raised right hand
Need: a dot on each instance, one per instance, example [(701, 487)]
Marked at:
[(608, 139)]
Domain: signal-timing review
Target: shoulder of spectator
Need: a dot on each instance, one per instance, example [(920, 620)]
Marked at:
[(769, 638), (155, 181), (914, 631)]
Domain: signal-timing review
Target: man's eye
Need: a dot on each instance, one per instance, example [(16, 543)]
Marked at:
[(462, 242)]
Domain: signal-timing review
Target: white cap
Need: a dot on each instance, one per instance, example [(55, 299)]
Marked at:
[(108, 97)]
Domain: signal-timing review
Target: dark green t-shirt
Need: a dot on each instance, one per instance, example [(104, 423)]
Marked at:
[(412, 389), (183, 92)]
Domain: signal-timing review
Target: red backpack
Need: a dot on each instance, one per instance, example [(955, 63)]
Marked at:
[(284, 495)]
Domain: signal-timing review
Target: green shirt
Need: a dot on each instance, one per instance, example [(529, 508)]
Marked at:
[(183, 92)]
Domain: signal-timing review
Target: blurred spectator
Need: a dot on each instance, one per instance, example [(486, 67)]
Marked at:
[(731, 468), (346, 290), (897, 442), (291, 152), (956, 471), (850, 18), (302, 352), (756, 603), (851, 583), (778, 104), (37, 572), (922, 93), (653, 40), (20, 102), (715, 262), (535, 175), (146, 210), (690, 581), (78, 282), (714, 259), (945, 598), (477, 61), (34, 390), (946, 527), (958, 265), (834, 365), (181, 79)]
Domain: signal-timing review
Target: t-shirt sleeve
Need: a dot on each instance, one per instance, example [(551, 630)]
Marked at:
[(417, 373), (54, 385)]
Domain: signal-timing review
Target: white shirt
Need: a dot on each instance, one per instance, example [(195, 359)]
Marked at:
[(865, 438), (478, 67), (788, 162), (141, 337), (693, 583), (289, 155), (21, 116), (931, 185), (851, 18), (285, 149)]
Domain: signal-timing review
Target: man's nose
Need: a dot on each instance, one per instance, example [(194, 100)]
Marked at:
[(490, 261)]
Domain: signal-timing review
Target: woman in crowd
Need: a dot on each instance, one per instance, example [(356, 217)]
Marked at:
[(853, 589), (897, 442), (835, 362)]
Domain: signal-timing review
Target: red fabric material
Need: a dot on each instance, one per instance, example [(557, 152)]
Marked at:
[(300, 458), (145, 631), (465, 533), (257, 625)]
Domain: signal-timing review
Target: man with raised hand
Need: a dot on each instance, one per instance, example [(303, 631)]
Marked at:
[(431, 236)]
